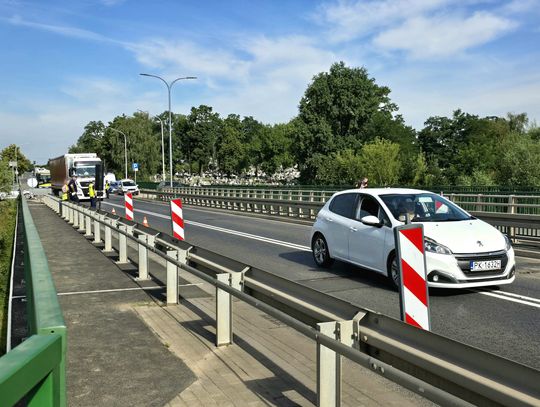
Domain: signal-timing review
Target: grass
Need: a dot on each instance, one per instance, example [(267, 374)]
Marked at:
[(8, 211)]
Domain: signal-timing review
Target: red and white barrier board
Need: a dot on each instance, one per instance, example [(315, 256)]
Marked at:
[(128, 201), (411, 260), (177, 217)]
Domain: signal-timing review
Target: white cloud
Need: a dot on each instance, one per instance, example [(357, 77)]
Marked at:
[(348, 20), (66, 31), (442, 36)]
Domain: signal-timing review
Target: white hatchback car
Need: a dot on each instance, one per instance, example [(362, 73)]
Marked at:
[(127, 186), (356, 226)]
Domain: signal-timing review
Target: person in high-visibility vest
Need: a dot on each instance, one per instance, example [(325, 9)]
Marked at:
[(65, 191), (92, 194), (107, 187)]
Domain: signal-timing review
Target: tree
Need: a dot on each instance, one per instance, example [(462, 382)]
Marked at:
[(340, 168), (519, 165), (381, 162), (14, 153), (202, 136), (336, 110), (232, 151), (6, 177), (90, 140)]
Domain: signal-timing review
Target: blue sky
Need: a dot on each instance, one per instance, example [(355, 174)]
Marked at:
[(65, 63)]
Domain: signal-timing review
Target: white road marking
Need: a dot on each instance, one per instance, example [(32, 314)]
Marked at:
[(115, 290), (503, 295)]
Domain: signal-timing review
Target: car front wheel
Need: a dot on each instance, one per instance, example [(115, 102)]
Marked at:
[(393, 271), (321, 254)]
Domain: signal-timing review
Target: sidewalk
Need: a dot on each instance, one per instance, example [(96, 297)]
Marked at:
[(126, 349)]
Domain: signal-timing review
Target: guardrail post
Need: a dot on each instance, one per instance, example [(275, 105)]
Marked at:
[(81, 222), (122, 245), (328, 369), (143, 257), (88, 224), (108, 236), (97, 228), (511, 209), (224, 332), (76, 218), (172, 278)]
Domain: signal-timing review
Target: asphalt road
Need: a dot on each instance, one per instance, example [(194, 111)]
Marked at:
[(503, 321)]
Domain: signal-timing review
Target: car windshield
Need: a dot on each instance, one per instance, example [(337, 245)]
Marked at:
[(423, 207), (85, 171), (128, 183)]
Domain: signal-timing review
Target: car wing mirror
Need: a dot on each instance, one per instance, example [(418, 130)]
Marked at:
[(371, 220)]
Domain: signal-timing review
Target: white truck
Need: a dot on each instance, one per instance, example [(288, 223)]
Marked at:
[(84, 166)]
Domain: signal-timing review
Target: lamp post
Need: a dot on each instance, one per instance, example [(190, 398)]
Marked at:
[(162, 145), (169, 86), (125, 148)]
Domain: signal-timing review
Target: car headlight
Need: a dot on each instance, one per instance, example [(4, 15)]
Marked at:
[(508, 242), (431, 245)]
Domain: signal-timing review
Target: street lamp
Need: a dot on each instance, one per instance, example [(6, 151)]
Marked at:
[(125, 147), (162, 145), (169, 86)]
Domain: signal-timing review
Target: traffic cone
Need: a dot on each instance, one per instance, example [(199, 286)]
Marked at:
[(113, 211), (145, 222)]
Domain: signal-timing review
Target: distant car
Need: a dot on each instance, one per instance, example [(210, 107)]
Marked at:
[(113, 187), (127, 186), (356, 226)]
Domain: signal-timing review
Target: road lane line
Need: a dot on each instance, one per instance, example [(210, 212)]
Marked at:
[(229, 231), (502, 297), (509, 294)]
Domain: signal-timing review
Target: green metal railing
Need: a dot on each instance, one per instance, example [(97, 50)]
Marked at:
[(36, 369)]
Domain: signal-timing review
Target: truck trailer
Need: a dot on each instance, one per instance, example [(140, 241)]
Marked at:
[(84, 166)]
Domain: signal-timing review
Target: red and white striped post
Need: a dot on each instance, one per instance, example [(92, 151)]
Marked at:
[(177, 218), (411, 260), (128, 203)]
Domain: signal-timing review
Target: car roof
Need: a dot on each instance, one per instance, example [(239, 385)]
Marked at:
[(384, 191), (126, 180)]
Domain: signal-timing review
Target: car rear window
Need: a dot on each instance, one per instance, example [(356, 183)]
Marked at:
[(343, 204), (129, 183)]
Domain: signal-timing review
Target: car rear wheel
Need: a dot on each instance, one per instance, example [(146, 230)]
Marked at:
[(321, 254), (393, 271)]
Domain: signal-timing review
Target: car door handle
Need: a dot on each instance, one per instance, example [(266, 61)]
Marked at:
[(329, 219), (353, 229)]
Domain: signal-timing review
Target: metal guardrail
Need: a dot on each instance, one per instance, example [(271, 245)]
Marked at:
[(35, 369), (516, 215), (440, 369)]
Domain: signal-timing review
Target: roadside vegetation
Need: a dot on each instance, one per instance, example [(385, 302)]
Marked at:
[(8, 210), (347, 127)]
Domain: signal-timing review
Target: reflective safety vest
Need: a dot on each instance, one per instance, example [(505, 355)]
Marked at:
[(64, 196), (107, 186), (91, 191)]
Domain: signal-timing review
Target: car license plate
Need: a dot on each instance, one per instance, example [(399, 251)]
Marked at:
[(485, 265)]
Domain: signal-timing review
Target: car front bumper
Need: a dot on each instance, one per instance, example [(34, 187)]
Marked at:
[(451, 275)]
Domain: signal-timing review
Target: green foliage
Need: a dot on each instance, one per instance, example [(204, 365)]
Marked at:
[(336, 112), (7, 227), (14, 153), (518, 164), (340, 168), (381, 163), (6, 177)]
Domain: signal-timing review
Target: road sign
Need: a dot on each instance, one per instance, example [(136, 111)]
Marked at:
[(12, 163), (135, 166), (128, 201), (32, 182), (411, 258), (177, 218)]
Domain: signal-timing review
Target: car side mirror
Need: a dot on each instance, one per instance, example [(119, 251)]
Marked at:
[(371, 220)]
